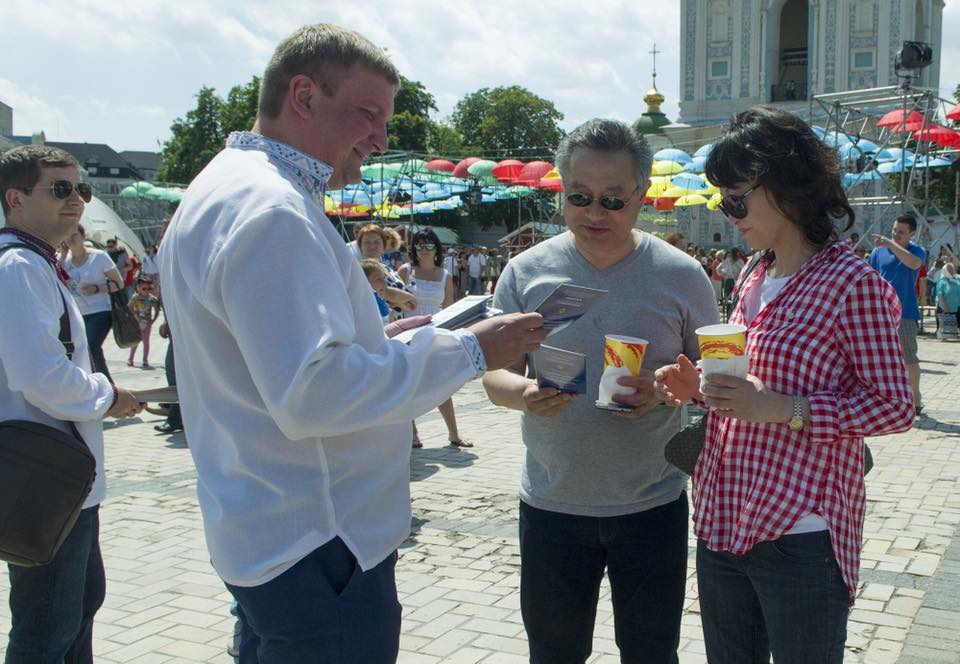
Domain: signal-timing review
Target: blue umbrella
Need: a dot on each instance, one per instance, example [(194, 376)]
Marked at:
[(672, 154), (697, 165), (819, 131), (889, 167), (703, 150), (849, 151), (689, 181), (836, 138), (866, 146), (895, 154), (932, 162), (853, 179)]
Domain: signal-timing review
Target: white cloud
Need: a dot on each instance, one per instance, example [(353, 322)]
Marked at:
[(32, 113)]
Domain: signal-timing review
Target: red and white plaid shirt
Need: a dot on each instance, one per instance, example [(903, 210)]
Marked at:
[(830, 335)]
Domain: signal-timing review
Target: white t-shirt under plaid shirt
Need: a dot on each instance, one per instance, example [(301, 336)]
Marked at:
[(831, 336)]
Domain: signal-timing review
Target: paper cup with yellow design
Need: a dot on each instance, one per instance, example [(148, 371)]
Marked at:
[(723, 350), (622, 356)]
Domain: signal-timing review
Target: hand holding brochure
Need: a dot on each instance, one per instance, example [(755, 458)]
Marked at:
[(566, 304), (562, 369), (463, 312)]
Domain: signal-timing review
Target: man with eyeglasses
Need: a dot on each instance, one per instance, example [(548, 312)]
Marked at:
[(298, 406), (52, 606), (596, 494)]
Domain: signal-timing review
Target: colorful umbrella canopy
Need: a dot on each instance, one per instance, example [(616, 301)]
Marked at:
[(852, 179), (889, 167), (866, 146), (507, 170), (129, 192), (900, 120), (703, 150), (664, 204), (481, 168), (895, 154), (460, 170), (667, 168), (696, 165), (532, 173), (552, 181), (954, 113), (691, 199), (676, 192), (835, 138), (940, 135), (440, 165), (714, 202), (658, 185), (929, 161), (689, 181), (672, 154)]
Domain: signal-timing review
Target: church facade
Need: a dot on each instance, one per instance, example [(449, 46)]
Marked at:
[(739, 53)]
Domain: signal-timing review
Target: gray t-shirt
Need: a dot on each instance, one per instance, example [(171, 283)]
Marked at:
[(587, 461)]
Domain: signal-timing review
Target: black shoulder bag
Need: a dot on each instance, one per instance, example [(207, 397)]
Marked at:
[(45, 476), (683, 449)]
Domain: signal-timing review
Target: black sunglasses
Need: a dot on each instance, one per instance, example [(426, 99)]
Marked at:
[(612, 203), (425, 247), (63, 188), (733, 205)]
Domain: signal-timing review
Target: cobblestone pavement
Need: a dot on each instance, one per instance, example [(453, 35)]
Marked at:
[(458, 573)]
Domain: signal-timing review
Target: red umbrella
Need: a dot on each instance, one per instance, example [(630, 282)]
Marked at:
[(507, 170), (460, 170), (531, 173), (940, 135), (440, 165), (553, 184), (899, 120), (954, 113), (664, 204)]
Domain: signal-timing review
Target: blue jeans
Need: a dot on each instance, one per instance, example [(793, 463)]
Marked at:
[(784, 597), (174, 418), (52, 606), (98, 327), (562, 560), (476, 286), (323, 609)]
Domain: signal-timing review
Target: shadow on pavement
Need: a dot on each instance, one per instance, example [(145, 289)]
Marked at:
[(426, 461), (927, 423)]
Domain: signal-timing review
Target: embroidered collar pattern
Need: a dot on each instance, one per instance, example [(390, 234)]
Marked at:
[(311, 174), (41, 247)]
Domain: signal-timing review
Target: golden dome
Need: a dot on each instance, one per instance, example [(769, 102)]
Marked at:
[(654, 98)]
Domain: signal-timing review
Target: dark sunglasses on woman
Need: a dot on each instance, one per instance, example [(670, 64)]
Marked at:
[(733, 205), (63, 188)]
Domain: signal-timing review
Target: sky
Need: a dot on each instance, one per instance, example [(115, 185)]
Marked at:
[(105, 71)]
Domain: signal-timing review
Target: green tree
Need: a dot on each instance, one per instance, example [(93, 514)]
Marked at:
[(195, 139), (445, 140), (409, 128), (511, 121), (239, 111)]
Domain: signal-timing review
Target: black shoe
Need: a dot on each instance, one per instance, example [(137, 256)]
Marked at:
[(166, 427)]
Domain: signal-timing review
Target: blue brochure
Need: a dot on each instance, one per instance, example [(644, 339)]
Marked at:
[(562, 369), (565, 305)]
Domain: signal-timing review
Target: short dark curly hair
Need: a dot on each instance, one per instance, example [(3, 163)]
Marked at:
[(779, 150)]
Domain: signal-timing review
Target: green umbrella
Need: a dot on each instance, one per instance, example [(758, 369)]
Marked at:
[(154, 193), (412, 166), (129, 192), (517, 192), (142, 187)]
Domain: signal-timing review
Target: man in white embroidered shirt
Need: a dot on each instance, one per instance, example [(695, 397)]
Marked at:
[(298, 407), (52, 606)]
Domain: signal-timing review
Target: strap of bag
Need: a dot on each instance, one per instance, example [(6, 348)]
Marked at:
[(751, 266), (65, 337)]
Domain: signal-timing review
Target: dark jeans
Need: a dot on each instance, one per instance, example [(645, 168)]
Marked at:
[(52, 606), (98, 327), (562, 560), (173, 409), (323, 609), (784, 597), (476, 286)]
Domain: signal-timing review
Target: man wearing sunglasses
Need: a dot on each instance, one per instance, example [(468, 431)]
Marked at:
[(52, 606), (596, 493), (297, 406), (898, 259)]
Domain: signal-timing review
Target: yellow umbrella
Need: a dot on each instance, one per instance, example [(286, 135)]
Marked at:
[(714, 202), (676, 192), (658, 185), (329, 206), (691, 199), (667, 168)]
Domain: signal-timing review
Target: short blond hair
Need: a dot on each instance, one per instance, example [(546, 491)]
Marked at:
[(372, 228), (393, 241)]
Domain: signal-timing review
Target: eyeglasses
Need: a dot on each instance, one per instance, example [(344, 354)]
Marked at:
[(732, 205), (612, 203), (63, 188), (425, 247)]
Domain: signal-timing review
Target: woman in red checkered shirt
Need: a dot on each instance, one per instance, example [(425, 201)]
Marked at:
[(778, 488)]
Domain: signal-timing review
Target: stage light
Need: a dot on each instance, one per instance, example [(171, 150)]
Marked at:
[(914, 55)]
